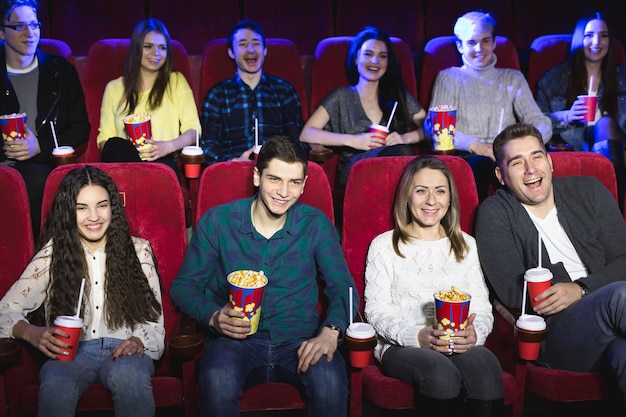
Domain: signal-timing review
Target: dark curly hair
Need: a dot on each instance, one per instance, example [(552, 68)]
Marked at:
[(128, 298)]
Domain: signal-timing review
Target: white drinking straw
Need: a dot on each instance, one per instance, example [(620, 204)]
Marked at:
[(54, 135), (501, 118), (256, 132), (590, 86), (524, 298), (539, 249), (350, 301), (197, 133), (80, 297), (393, 111)]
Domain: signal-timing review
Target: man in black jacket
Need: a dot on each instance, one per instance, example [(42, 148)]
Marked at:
[(46, 88)]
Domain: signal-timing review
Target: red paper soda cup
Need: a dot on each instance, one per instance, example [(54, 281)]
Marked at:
[(138, 128), (451, 311), (360, 341), (530, 331), (538, 280), (73, 326), (380, 130), (192, 158), (256, 151), (246, 291), (443, 122), (591, 102)]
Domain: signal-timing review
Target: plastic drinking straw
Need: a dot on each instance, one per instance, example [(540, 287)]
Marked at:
[(524, 298), (539, 249), (393, 111), (256, 132), (54, 135), (350, 301), (197, 133), (501, 117), (80, 297)]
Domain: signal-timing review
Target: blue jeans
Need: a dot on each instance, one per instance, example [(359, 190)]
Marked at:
[(128, 378), (227, 366), (475, 374), (589, 335)]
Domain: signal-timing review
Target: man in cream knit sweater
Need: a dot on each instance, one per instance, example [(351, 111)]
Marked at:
[(487, 98)]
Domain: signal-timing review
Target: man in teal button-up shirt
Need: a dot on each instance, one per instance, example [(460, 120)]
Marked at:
[(292, 243)]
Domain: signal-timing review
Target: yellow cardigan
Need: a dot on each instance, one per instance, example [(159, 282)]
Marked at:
[(177, 113)]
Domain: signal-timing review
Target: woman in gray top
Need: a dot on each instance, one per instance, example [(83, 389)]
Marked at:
[(343, 119)]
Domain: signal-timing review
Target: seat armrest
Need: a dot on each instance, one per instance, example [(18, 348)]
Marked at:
[(9, 352), (319, 153), (510, 314), (187, 343)]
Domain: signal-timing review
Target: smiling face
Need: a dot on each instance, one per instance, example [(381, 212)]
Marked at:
[(596, 40), (526, 170), (476, 45), (22, 44), (429, 198), (372, 60), (280, 186), (154, 52), (93, 215), (248, 51)]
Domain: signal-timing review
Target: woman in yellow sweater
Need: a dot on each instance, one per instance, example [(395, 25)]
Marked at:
[(149, 85)]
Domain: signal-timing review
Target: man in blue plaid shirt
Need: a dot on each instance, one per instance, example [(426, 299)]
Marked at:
[(230, 107)]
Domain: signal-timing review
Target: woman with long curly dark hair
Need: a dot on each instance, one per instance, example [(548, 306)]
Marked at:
[(149, 85), (344, 117), (86, 235)]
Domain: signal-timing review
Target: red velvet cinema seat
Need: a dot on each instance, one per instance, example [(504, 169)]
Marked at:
[(226, 181), (367, 213), (56, 47), (16, 249), (155, 211)]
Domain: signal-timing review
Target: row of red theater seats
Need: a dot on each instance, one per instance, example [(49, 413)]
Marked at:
[(164, 206), (193, 22), (312, 77)]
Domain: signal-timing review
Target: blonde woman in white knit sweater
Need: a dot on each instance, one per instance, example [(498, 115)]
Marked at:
[(427, 252)]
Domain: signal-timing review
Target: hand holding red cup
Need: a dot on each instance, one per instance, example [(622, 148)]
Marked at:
[(591, 101), (538, 280), (73, 326)]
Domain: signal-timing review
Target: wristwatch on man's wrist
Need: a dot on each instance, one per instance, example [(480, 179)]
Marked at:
[(584, 290), (340, 335)]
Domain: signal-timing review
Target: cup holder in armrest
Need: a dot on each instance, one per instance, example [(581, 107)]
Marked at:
[(186, 345)]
